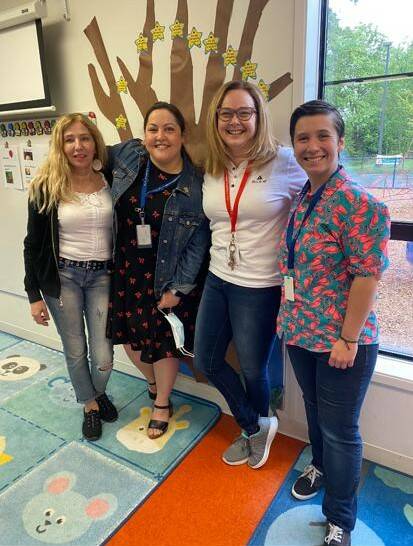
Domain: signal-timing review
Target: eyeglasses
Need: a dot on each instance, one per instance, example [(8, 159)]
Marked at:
[(243, 114)]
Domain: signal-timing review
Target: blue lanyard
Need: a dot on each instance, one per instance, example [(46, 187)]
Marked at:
[(144, 189), (313, 202), (291, 241)]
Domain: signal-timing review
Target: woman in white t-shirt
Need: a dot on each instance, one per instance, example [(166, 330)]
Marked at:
[(249, 185), (67, 255)]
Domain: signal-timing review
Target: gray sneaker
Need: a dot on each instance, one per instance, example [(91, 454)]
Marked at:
[(238, 452), (261, 441)]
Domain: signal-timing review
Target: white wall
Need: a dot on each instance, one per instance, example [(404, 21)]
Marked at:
[(386, 421)]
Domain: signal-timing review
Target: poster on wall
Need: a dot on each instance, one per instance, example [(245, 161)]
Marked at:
[(10, 167), (31, 157)]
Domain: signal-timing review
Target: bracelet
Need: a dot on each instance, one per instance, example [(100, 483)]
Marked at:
[(347, 341)]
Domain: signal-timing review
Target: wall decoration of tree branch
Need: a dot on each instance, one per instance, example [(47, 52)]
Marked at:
[(221, 57)]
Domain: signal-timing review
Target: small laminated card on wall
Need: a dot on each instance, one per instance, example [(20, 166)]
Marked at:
[(10, 167), (31, 157)]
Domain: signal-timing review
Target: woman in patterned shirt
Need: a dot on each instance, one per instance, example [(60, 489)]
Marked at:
[(332, 256)]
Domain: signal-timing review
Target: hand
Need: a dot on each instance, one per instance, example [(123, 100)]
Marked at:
[(341, 357), (168, 300), (40, 313)]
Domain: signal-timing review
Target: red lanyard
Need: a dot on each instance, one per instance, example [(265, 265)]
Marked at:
[(233, 212)]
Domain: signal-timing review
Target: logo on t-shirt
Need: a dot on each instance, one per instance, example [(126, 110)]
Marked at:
[(259, 180)]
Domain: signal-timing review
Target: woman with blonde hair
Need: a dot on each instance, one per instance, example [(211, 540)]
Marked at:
[(249, 185), (67, 255)]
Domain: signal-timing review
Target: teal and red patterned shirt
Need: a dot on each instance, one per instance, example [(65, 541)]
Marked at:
[(345, 236)]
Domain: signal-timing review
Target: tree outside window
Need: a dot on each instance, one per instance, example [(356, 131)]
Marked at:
[(368, 76)]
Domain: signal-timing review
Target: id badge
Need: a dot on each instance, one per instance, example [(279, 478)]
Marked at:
[(144, 236), (289, 287)]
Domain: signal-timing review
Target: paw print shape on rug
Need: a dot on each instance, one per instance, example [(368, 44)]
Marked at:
[(17, 368), (59, 514), (4, 458), (134, 436), (62, 393)]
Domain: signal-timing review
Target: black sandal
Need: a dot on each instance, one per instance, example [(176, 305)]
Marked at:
[(152, 395), (160, 425)]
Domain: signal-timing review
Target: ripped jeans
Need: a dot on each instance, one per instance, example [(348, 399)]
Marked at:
[(84, 296)]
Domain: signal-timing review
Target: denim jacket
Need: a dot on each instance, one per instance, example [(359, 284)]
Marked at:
[(185, 237)]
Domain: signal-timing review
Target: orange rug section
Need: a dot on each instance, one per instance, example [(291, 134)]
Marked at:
[(205, 502)]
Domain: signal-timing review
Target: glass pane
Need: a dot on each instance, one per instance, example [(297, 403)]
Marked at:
[(395, 300), (364, 40), (379, 139)]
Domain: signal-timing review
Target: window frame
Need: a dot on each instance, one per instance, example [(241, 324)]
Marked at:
[(400, 230)]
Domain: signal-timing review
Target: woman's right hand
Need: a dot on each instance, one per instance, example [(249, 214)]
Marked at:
[(40, 313)]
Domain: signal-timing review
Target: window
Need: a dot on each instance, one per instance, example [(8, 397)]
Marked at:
[(366, 71)]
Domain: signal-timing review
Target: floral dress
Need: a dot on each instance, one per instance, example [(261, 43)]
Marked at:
[(133, 315)]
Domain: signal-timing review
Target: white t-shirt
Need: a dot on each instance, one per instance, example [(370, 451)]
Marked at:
[(262, 217), (85, 226)]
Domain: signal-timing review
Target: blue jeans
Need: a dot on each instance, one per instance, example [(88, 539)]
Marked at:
[(248, 316), (333, 398), (84, 295)]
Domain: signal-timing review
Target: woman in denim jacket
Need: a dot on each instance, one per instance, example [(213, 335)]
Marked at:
[(161, 237)]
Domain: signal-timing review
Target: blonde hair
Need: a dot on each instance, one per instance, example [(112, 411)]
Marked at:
[(265, 145), (52, 182)]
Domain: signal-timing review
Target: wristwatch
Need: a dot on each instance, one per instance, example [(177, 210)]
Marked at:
[(176, 292)]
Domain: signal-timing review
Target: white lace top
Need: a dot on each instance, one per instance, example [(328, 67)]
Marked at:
[(85, 226)]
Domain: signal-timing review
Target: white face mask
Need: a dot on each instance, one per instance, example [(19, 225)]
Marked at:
[(177, 331)]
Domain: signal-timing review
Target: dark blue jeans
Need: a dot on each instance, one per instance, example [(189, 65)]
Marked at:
[(333, 400), (246, 315)]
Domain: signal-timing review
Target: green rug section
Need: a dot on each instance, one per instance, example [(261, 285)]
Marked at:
[(57, 488), (23, 445), (51, 403), (76, 497), (25, 363)]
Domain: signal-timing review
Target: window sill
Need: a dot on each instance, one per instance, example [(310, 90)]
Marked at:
[(394, 372)]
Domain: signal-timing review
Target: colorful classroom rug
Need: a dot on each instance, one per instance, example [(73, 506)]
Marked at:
[(205, 502), (385, 512), (56, 488)]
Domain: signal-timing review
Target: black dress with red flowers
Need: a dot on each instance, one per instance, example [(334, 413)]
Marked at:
[(133, 315)]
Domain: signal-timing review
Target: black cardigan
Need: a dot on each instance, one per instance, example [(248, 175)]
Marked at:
[(41, 250)]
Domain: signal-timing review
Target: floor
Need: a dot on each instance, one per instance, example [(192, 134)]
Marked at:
[(205, 502)]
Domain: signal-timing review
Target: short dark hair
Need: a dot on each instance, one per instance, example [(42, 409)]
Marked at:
[(174, 110), (314, 107)]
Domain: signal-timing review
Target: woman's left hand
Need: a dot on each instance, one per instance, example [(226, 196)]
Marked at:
[(168, 300), (341, 356)]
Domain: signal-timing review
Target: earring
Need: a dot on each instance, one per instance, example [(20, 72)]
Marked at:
[(96, 164)]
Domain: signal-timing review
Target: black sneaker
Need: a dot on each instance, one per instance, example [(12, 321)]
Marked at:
[(92, 427), (107, 410), (308, 484), (336, 536)]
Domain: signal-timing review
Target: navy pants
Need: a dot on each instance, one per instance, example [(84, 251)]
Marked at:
[(248, 316), (333, 398)]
